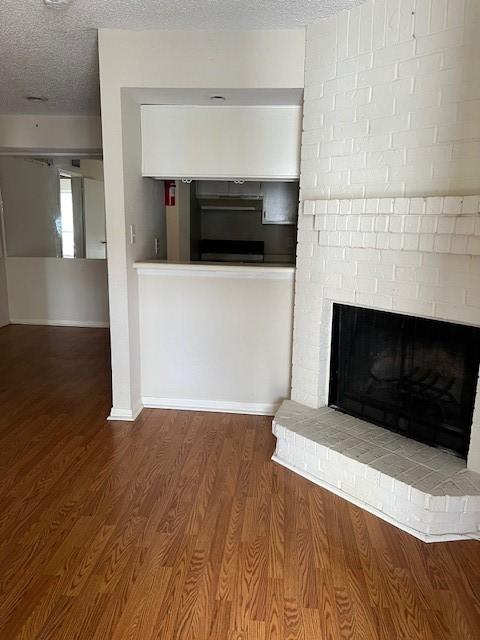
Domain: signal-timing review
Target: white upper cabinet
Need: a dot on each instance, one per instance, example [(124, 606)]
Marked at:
[(226, 143)]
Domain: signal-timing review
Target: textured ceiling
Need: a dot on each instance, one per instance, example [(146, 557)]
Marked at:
[(54, 52)]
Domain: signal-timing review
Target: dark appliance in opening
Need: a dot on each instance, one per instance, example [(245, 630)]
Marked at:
[(232, 250), (411, 375)]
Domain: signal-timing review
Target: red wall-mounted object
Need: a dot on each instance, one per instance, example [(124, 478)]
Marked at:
[(169, 193)]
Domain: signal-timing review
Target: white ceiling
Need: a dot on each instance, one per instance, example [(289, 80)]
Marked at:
[(54, 52)]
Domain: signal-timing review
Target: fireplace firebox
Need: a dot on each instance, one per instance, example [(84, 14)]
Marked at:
[(411, 375)]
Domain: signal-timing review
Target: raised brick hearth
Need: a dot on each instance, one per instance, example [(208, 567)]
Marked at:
[(422, 490)]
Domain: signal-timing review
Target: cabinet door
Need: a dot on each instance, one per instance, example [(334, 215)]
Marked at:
[(280, 202), (249, 142)]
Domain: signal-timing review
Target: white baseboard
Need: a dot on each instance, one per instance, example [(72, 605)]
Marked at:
[(425, 537), (61, 323), (252, 408), (125, 415)]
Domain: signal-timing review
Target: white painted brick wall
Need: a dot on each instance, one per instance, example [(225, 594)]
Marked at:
[(392, 101), (391, 145)]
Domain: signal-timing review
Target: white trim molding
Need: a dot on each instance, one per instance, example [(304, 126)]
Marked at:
[(30, 152), (124, 415), (87, 324), (209, 270), (215, 406)]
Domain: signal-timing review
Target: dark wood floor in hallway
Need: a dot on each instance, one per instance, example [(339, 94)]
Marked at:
[(180, 527)]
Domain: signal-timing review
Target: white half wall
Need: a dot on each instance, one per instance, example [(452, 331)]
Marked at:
[(57, 291), (215, 338)]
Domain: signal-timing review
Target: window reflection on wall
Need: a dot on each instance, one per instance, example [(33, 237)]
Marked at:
[(53, 207), (66, 212)]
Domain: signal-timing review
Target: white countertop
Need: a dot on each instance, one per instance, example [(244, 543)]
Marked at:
[(215, 269)]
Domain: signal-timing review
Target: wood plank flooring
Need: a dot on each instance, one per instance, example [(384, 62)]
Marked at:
[(179, 526)]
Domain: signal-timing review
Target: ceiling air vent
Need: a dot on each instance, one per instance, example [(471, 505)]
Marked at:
[(56, 4)]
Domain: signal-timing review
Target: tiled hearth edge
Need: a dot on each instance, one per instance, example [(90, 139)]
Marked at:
[(331, 450)]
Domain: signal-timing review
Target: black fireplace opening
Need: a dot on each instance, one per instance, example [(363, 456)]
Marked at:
[(411, 375)]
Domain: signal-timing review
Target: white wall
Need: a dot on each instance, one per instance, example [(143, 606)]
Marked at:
[(50, 134), (156, 59), (58, 291), (30, 194), (41, 288), (92, 168), (4, 315), (144, 209), (392, 101), (215, 338), (233, 59), (44, 135), (94, 218), (31, 207)]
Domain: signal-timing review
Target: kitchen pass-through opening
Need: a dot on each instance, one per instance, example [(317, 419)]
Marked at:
[(411, 375)]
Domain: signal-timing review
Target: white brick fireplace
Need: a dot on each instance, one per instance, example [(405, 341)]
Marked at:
[(418, 256), (389, 220)]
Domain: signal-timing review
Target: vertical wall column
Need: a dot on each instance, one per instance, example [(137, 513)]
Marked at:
[(131, 60)]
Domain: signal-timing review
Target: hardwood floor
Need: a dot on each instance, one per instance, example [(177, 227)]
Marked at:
[(180, 527)]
